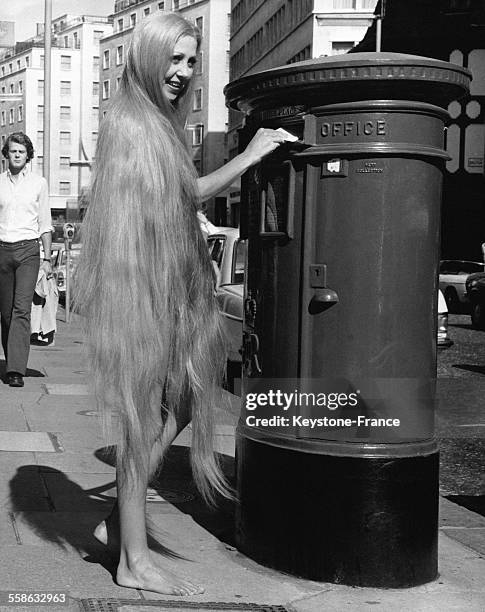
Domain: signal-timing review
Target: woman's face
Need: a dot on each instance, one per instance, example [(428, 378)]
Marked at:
[(180, 72)]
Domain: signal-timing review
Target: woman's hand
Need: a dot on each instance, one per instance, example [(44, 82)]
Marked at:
[(263, 142)]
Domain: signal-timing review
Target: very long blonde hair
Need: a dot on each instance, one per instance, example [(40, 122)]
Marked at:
[(145, 277)]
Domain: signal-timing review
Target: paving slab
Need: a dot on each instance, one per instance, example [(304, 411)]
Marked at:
[(84, 441), (453, 515), (8, 534), (72, 462), (62, 530), (29, 441), (459, 587), (12, 417), (67, 389), (46, 568)]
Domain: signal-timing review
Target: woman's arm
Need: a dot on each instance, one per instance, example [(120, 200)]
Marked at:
[(264, 142)]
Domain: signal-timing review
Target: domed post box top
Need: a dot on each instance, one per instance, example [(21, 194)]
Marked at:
[(350, 77)]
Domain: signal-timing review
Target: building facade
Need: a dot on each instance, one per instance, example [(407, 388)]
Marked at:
[(270, 33), (207, 122), (454, 31), (74, 104)]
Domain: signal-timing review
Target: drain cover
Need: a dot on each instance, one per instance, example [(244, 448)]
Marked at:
[(118, 605)]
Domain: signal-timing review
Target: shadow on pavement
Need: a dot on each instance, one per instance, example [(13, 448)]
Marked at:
[(475, 503), (470, 368), (29, 372)]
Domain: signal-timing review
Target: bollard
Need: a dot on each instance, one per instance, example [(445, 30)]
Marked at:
[(340, 298)]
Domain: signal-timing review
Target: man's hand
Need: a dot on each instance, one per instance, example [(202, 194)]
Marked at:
[(47, 267)]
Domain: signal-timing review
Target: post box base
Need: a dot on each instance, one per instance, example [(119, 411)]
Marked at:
[(361, 521)]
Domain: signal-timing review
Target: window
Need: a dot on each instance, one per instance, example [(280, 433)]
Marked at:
[(3, 89), (199, 63), (118, 81), (106, 59), (119, 55), (21, 87), (105, 90), (64, 188), (40, 163), (66, 42), (40, 139), (64, 163), (95, 88), (97, 34), (197, 99), (27, 61), (40, 113), (10, 67), (197, 135), (75, 40), (41, 61), (146, 11), (10, 116), (3, 120), (65, 62), (161, 6), (133, 20), (3, 70), (40, 88), (175, 5), (65, 88), (96, 63), (18, 64), (65, 138), (95, 114), (338, 48), (120, 25), (199, 22), (20, 113), (65, 113), (10, 88), (94, 138)]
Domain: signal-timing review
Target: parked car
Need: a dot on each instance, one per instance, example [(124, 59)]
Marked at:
[(228, 252), (453, 275), (475, 289), (444, 341), (59, 265)]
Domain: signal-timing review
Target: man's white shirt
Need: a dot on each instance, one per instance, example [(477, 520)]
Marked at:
[(24, 206)]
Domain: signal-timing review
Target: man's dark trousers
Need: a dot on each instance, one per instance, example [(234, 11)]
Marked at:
[(19, 267)]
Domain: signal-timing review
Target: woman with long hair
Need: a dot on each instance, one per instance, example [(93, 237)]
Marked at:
[(145, 285)]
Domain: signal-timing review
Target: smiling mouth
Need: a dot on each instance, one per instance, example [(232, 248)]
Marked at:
[(176, 85)]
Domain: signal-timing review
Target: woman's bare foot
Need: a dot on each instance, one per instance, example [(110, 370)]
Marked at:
[(108, 531), (144, 573)]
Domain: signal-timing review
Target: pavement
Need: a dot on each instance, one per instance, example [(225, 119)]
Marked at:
[(57, 482)]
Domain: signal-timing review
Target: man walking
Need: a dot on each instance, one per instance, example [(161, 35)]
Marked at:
[(24, 217)]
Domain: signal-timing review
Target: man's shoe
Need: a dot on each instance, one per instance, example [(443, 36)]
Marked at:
[(14, 379)]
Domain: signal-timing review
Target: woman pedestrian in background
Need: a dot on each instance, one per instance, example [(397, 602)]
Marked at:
[(146, 285)]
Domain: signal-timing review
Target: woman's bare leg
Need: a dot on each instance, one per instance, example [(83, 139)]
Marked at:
[(107, 532), (136, 568), (125, 528)]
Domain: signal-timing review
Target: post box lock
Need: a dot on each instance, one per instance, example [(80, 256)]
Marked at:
[(324, 297), (250, 351)]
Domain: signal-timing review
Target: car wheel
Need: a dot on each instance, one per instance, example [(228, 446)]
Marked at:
[(478, 316), (452, 301)]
